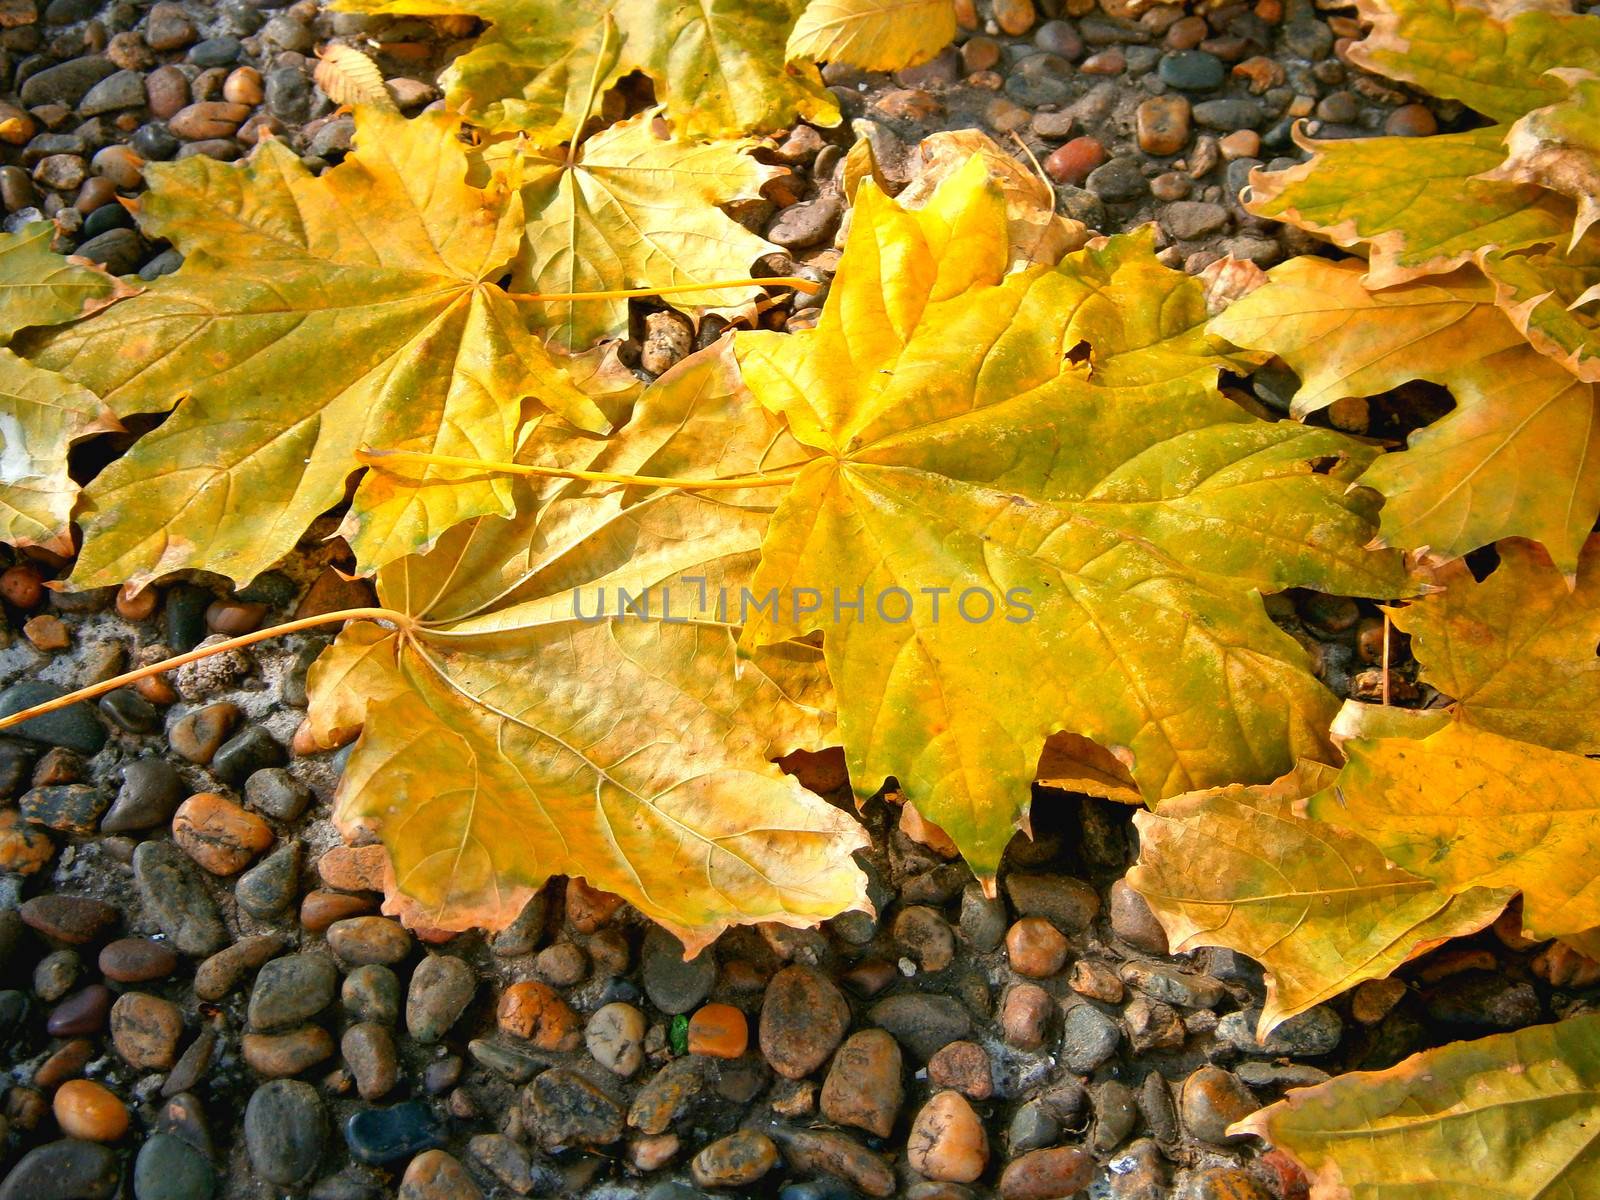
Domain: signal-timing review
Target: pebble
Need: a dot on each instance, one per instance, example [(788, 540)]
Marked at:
[(149, 795), (1133, 921), (82, 1012), (1373, 999), (947, 1141), (1073, 162), (1308, 1035), (1189, 220), (1035, 948), (719, 1031), (145, 1030), (285, 1129), (737, 1160), (69, 1169), (1212, 1099), (1040, 79), (75, 727), (71, 919), (922, 1022), (962, 1067), (807, 224), (1162, 125), (1481, 1000), (90, 1111), (562, 964), (441, 988), (667, 1095), (1240, 144), (673, 985), (1411, 120), (226, 969), (435, 1175), (291, 990), (269, 887), (321, 909), (1046, 1174), (614, 1036), (124, 708), (1089, 1038), (536, 1012), (865, 1086), (569, 1110), (168, 1168), (803, 1018), (197, 735), (386, 1135), (1223, 1183), (823, 1152), (1152, 1025), (925, 937), (274, 791), (371, 993), (1192, 71), (66, 83), (983, 919), (1119, 180), (1173, 985), (124, 89), (359, 941), (246, 752), (193, 1063), (1116, 1110), (278, 1055)]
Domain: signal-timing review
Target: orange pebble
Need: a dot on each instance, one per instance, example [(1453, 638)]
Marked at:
[(84, 1109), (718, 1031)]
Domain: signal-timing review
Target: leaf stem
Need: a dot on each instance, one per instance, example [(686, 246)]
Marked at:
[(798, 283), (404, 620), (378, 458)]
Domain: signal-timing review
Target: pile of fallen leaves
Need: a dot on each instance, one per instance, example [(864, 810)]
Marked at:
[(995, 497)]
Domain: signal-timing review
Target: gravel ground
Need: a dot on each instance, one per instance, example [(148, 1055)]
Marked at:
[(201, 998)]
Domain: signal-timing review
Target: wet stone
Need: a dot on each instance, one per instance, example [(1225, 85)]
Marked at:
[(737, 1160), (277, 794), (66, 83), (197, 735), (71, 919), (368, 1050), (441, 988), (924, 1023), (983, 920), (667, 1096), (371, 993), (1032, 1127), (803, 1017), (1212, 1099), (1118, 181), (68, 1169), (1192, 71), (947, 1140), (247, 752), (145, 1030), (1089, 1038), (1172, 985), (1312, 1033), (168, 1168), (615, 1037), (1046, 1174), (285, 1128), (823, 1152), (225, 970), (125, 708), (1040, 79), (362, 940), (674, 986), (278, 1055), (865, 1086), (291, 990), (81, 1013), (56, 973), (75, 727), (435, 1175), (567, 1110)]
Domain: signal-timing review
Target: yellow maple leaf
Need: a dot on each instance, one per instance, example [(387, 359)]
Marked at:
[(1516, 651), (1520, 455), (1316, 905), (1467, 808), (874, 35), (1509, 1117), (303, 326), (1058, 434), (632, 208), (42, 414), (513, 732), (718, 65)]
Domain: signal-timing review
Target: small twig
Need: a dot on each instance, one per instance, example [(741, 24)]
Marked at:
[(202, 652), (796, 282)]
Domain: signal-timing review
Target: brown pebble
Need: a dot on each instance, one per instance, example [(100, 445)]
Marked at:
[(47, 632), (822, 1152), (589, 908), (243, 86), (368, 1050), (865, 1085), (1035, 948), (803, 1017), (80, 1013), (535, 1011), (140, 604), (435, 1175), (85, 1109), (1162, 124), (145, 1030), (137, 960), (1096, 980), (719, 1031), (66, 1063), (1411, 120), (1046, 1174), (1373, 998), (1072, 162), (71, 919), (199, 734), (1015, 17), (234, 617), (218, 834), (354, 868), (206, 120), (225, 970), (963, 1067), (321, 908), (947, 1141), (1025, 1012), (279, 1055), (737, 1160), (1241, 143), (25, 849), (22, 586), (166, 91), (362, 940)]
